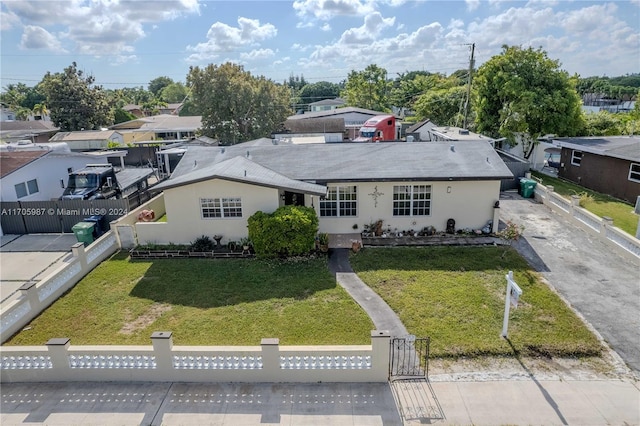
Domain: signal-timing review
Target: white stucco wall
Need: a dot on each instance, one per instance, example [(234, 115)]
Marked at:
[(469, 203), (48, 171), (185, 223)]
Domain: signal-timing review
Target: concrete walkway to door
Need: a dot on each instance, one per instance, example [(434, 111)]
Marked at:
[(380, 313)]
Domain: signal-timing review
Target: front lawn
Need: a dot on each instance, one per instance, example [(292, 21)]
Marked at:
[(203, 302), (456, 296), (597, 203)]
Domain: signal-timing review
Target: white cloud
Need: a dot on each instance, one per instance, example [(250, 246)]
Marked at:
[(328, 9), (96, 26), (257, 54), (225, 38), (472, 5), (34, 37), (373, 25), (326, 27)]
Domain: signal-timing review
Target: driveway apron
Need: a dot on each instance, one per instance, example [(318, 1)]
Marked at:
[(600, 284)]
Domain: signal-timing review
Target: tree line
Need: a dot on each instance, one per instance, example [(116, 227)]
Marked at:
[(519, 91)]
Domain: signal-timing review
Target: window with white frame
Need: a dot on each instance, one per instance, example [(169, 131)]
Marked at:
[(634, 172), (220, 207), (341, 201), (412, 200), (576, 157), (26, 188)]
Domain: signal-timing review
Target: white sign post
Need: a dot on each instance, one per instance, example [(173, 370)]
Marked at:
[(513, 294)]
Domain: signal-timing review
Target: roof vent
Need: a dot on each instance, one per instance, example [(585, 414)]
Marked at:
[(195, 163), (453, 148), (222, 150), (248, 154), (463, 131), (488, 160)]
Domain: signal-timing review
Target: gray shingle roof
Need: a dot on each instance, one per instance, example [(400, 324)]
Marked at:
[(623, 147), (350, 162), (240, 169)]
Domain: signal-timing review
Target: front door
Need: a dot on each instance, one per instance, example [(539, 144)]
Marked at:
[(293, 199)]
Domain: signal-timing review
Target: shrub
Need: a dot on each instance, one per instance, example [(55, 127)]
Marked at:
[(289, 231), (203, 243)]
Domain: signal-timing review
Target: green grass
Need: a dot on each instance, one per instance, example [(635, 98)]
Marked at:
[(595, 202), (456, 296), (203, 302)]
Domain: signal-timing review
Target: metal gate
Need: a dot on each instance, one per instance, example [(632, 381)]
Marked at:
[(409, 357)]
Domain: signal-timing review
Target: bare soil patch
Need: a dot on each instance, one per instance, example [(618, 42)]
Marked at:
[(153, 313)]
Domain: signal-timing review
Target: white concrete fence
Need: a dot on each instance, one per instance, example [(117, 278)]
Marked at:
[(625, 244), (161, 362), (35, 297)]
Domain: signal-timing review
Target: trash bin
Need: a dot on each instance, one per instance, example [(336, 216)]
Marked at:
[(527, 187), (99, 226), (83, 232)]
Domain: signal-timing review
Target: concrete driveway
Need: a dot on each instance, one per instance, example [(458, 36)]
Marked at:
[(600, 284), (25, 258)]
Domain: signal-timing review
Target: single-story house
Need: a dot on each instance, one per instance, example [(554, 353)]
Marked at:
[(354, 118), (40, 172), (607, 164), (419, 131), (326, 104), (37, 131), (313, 130), (159, 127), (214, 190), (89, 140)]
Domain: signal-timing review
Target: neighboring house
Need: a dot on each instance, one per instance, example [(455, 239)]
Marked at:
[(34, 131), (452, 134), (353, 117), (39, 173), (214, 190), (159, 127), (88, 140), (607, 164), (326, 104), (313, 130), (420, 131), (134, 109)]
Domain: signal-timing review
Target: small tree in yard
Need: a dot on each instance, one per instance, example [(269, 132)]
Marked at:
[(289, 231), (510, 233)]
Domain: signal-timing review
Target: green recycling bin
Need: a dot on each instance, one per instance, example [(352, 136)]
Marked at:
[(527, 187), (84, 232)]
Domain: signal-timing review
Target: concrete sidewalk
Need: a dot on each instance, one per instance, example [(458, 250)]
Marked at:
[(517, 402)]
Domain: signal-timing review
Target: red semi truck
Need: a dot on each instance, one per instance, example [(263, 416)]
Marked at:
[(378, 128)]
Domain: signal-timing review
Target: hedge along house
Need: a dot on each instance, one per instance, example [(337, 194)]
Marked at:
[(214, 190)]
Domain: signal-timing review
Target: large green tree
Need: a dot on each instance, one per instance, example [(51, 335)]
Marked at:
[(157, 84), (369, 89), (524, 93), (173, 93), (442, 106), (314, 92), (235, 105), (74, 102)]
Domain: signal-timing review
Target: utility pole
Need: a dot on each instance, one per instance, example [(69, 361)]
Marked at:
[(466, 102)]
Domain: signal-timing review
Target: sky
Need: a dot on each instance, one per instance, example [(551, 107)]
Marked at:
[(129, 43)]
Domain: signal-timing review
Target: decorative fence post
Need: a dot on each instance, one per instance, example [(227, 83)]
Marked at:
[(271, 358), (380, 341), (58, 351), (80, 254), (30, 292), (162, 347), (606, 222)]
